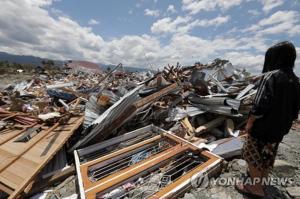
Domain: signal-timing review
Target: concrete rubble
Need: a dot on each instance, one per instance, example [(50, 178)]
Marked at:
[(196, 113)]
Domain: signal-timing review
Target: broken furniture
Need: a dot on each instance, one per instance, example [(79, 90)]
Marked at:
[(103, 148), (131, 171)]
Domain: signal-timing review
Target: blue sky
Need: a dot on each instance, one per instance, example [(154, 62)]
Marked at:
[(146, 33)]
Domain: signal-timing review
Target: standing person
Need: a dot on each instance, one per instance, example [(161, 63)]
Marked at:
[(275, 107)]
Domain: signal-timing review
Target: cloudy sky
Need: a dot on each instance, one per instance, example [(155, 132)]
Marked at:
[(148, 33)]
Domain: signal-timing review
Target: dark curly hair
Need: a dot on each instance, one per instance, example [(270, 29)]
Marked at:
[(280, 56)]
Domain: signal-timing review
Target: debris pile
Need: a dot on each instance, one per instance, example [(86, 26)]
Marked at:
[(136, 126)]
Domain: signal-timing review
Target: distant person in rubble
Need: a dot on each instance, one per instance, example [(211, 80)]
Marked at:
[(275, 107)]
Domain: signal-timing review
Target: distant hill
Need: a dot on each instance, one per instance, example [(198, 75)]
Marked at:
[(127, 68), (84, 65), (25, 59), (36, 61)]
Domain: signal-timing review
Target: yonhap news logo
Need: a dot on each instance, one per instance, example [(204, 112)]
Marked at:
[(201, 180)]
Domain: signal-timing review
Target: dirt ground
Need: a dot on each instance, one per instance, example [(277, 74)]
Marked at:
[(287, 165)]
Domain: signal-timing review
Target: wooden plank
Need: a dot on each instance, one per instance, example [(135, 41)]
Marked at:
[(124, 150), (185, 180), (31, 144), (186, 124), (5, 157), (6, 189), (124, 174), (10, 179), (12, 136), (5, 115), (8, 117), (45, 159), (210, 125), (24, 167), (20, 162), (79, 176), (146, 100), (13, 148)]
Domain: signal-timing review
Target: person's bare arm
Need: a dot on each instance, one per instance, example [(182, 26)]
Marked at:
[(249, 124)]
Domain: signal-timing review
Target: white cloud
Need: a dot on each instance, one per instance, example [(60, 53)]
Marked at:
[(279, 17), (195, 6), (43, 35), (40, 2), (253, 62), (166, 25), (268, 5), (297, 63), (61, 37), (171, 9), (188, 49), (254, 12), (153, 13), (286, 22), (184, 24), (93, 22), (213, 22), (131, 50)]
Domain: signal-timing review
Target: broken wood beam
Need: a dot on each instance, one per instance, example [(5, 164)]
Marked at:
[(210, 125), (187, 125), (155, 96)]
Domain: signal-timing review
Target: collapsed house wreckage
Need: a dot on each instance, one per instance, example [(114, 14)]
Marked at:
[(122, 133)]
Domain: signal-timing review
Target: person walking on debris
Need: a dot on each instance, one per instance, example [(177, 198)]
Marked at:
[(275, 107)]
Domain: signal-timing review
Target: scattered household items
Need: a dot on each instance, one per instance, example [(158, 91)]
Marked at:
[(127, 130)]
